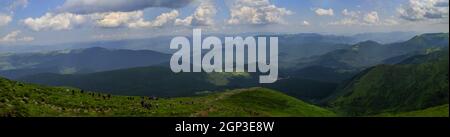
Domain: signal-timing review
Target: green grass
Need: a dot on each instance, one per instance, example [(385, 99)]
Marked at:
[(223, 78), (263, 102), (27, 100), (396, 88), (438, 111)]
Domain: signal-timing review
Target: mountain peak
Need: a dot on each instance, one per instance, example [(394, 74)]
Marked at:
[(95, 49), (369, 42), (429, 36), (365, 44)]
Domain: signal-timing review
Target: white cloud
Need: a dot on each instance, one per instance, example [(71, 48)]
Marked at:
[(416, 10), (50, 21), (120, 19), (14, 37), (305, 23), (165, 18), (5, 19), (101, 6), (17, 4), (372, 18), (256, 12), (353, 14), (350, 18), (184, 22), (324, 12), (67, 21), (203, 16), (390, 22), (368, 19), (133, 19), (346, 21)]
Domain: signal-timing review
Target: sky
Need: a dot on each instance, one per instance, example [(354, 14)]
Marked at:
[(40, 22)]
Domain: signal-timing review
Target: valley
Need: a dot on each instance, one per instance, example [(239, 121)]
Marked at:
[(336, 78)]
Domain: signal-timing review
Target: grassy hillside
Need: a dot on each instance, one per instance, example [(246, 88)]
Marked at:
[(18, 99), (397, 88), (151, 81), (305, 89), (438, 111)]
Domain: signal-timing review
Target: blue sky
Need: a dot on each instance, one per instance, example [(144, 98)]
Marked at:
[(60, 21)]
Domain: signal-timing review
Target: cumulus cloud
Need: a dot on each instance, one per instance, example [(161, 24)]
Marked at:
[(134, 19), (17, 4), (67, 21), (120, 19), (5, 19), (50, 21), (203, 16), (372, 17), (353, 14), (256, 12), (416, 10), (324, 12), (99, 6), (358, 18), (184, 22), (350, 18), (165, 18), (14, 37)]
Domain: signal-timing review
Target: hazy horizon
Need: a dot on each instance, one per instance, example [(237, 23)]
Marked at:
[(31, 22)]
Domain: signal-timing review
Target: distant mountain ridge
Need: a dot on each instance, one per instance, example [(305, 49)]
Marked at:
[(369, 53), (78, 61), (384, 37), (160, 43), (310, 83)]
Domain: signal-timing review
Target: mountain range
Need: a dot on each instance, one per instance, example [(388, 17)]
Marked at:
[(407, 78), (315, 80), (78, 61), (419, 82), (160, 43)]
